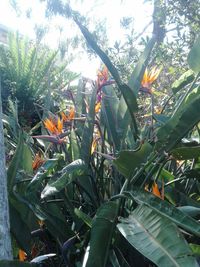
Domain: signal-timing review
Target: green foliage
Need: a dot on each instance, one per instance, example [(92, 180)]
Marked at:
[(103, 226), (156, 233), (29, 73), (99, 167), (193, 56)]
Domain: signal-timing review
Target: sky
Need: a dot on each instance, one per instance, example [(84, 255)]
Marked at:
[(111, 10)]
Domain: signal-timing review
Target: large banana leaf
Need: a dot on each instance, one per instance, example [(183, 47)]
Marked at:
[(103, 226), (157, 238), (165, 209)]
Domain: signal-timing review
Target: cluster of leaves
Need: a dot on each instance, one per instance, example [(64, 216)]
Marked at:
[(31, 75), (104, 190)]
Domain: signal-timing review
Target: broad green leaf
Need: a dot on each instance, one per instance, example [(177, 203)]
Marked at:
[(56, 221), (74, 146), (19, 228), (15, 164), (103, 226), (26, 163), (194, 56), (22, 160), (137, 75), (88, 129), (184, 119), (166, 209), (161, 118), (157, 238), (129, 160), (109, 109), (190, 210), (6, 263), (123, 119), (183, 153), (71, 172), (185, 79)]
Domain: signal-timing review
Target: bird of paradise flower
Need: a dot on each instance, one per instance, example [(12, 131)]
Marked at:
[(55, 127), (149, 78)]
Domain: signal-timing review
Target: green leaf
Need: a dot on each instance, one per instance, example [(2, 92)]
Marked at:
[(103, 226), (71, 172), (190, 210), (183, 153), (109, 109), (127, 92), (26, 163), (35, 183), (15, 164), (84, 217), (5, 263), (19, 228), (184, 119), (123, 119), (185, 79), (87, 135), (157, 238), (137, 75), (129, 160), (74, 146), (56, 222), (194, 56), (165, 209), (22, 160), (195, 249)]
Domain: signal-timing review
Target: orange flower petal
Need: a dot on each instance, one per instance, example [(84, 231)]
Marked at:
[(64, 117), (150, 76), (50, 126), (38, 161), (97, 107), (71, 114), (155, 190), (59, 125), (22, 255)]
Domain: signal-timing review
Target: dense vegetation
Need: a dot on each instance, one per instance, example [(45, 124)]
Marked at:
[(105, 173)]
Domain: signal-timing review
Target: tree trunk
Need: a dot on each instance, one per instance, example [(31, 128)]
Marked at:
[(5, 241)]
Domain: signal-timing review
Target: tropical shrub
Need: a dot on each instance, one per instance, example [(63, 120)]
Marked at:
[(106, 189), (31, 75)]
